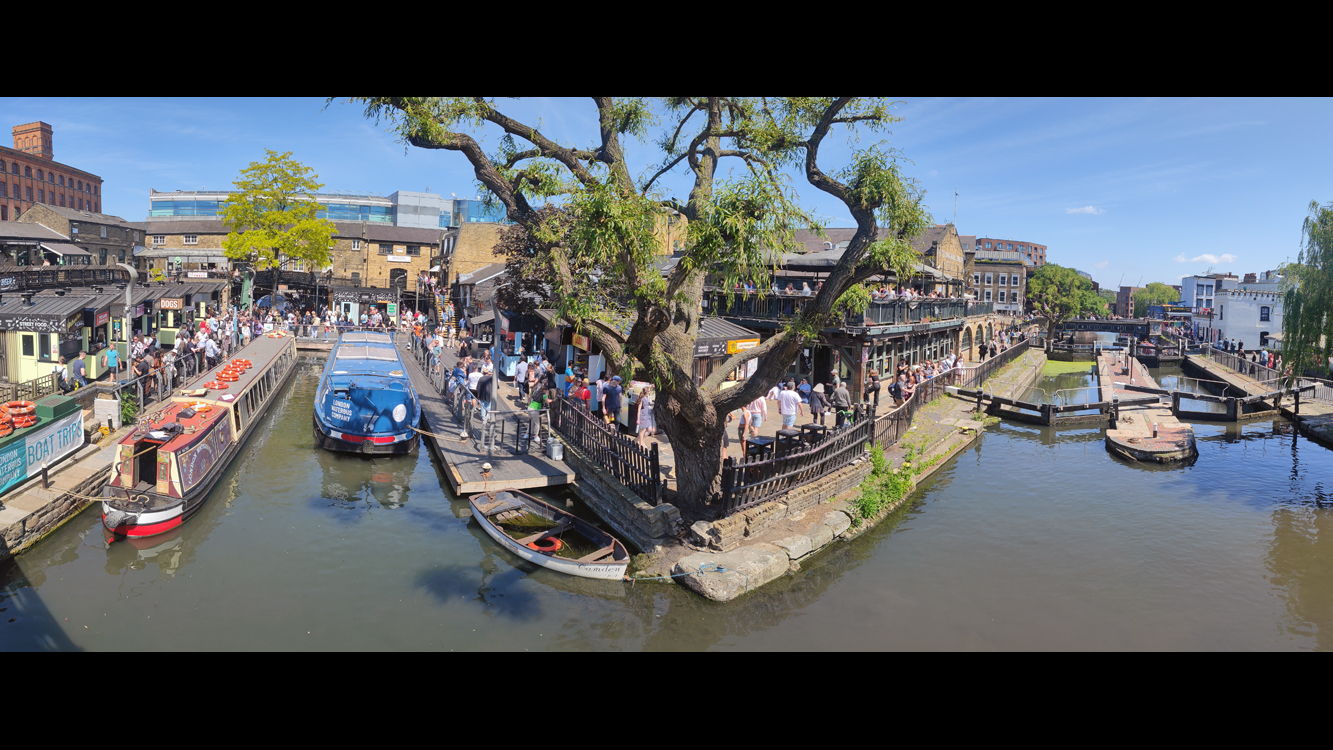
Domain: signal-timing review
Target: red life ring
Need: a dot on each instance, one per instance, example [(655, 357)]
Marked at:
[(5, 418), (228, 376), (546, 544), (20, 407), (6, 429), (215, 385), (26, 420)]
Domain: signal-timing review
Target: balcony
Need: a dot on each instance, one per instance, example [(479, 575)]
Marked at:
[(895, 312)]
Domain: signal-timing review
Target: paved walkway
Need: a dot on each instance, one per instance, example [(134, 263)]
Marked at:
[(1315, 419)]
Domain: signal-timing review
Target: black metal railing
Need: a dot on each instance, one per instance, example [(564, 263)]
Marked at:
[(622, 457), (19, 278), (889, 428), (751, 480), (881, 312), (974, 376)]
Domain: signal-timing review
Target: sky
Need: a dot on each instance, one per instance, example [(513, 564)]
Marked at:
[(1129, 190)]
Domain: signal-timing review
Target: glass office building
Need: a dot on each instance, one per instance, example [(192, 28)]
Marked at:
[(407, 209)]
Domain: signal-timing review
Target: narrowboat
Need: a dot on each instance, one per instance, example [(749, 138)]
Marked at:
[(548, 536), (365, 402), (166, 467)]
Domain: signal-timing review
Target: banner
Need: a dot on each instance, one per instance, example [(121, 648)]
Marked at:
[(102, 318), (581, 342), (740, 345), (23, 458)]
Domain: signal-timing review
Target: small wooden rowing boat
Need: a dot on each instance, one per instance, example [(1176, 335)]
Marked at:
[(548, 536)]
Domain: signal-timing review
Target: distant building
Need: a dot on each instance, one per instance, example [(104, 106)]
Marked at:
[(999, 277), (403, 208), (1124, 301), (30, 176), (941, 249), (89, 238), (1030, 250), (1198, 291)]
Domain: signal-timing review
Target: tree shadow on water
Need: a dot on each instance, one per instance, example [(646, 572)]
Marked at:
[(499, 588), (26, 624)]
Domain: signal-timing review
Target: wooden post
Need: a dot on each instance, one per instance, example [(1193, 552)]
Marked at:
[(45, 483), (656, 479), (1296, 405)]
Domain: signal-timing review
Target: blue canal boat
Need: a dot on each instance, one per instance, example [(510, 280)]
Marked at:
[(366, 403)]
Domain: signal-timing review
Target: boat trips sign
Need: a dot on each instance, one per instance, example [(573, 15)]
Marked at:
[(23, 458)]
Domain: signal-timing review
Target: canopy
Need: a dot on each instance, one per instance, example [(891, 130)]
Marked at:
[(60, 248)]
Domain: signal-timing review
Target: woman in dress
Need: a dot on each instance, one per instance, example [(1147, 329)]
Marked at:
[(647, 419)]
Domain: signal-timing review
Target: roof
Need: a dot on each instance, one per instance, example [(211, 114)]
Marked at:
[(46, 306), (813, 243), (193, 226), (171, 252), (1003, 255), (73, 214), (925, 242), (24, 231), (482, 274), (722, 329)]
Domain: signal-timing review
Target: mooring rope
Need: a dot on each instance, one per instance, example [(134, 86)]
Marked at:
[(704, 568)]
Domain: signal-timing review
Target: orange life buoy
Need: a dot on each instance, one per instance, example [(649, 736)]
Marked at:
[(20, 407), (26, 420), (6, 429), (5, 418), (228, 377), (215, 385), (276, 335), (201, 407), (547, 544)]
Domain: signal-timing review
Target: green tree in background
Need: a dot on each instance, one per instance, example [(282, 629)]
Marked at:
[(1153, 294), (273, 217), (1307, 309), (1108, 297), (1061, 294), (735, 155)]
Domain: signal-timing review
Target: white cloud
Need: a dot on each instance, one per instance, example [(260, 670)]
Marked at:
[(1207, 258), (1085, 210), (1101, 264)]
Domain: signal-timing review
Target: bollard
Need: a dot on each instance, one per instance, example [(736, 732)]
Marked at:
[(1154, 429), (45, 483)]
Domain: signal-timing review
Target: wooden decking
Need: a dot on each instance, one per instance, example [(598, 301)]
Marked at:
[(463, 457)]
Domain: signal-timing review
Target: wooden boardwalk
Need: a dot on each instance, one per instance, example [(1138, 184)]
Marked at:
[(464, 457)]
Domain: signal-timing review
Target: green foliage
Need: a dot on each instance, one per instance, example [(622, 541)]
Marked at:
[(273, 215), (878, 461), (1307, 324), (1153, 294), (1061, 294), (129, 407)]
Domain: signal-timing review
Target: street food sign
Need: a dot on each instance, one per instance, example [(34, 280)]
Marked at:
[(170, 304), (102, 318)]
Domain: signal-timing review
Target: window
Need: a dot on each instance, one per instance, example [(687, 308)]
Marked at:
[(1264, 313), (97, 208), (101, 257), (988, 295), (1002, 295), (103, 231), (39, 175), (1219, 311), (97, 190), (16, 191), (191, 239), (41, 195), (987, 245), (385, 249), (15, 167), (62, 180), (27, 345), (136, 235), (1004, 280), (356, 244), (976, 279), (62, 199), (27, 171), (159, 239), (120, 254), (80, 184), (414, 250), (989, 279), (80, 203)]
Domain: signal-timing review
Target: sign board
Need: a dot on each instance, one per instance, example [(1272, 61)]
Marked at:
[(196, 274), (740, 345), (170, 304), (23, 458), (138, 310), (865, 354), (102, 318), (178, 260), (581, 342), (398, 258), (391, 309), (8, 282)]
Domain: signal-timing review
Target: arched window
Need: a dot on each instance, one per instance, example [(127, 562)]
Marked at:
[(1264, 313), (27, 171), (14, 167), (80, 184), (62, 180), (40, 176), (62, 199)]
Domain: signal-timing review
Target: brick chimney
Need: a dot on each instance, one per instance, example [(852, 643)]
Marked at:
[(34, 138)]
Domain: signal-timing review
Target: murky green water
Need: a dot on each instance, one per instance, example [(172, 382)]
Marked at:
[(1031, 539)]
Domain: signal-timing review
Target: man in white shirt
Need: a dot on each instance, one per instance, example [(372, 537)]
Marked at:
[(789, 406), (472, 379)]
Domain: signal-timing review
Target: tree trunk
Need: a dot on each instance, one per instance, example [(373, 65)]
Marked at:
[(696, 447)]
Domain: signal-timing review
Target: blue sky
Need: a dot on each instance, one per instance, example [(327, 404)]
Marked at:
[(1132, 188)]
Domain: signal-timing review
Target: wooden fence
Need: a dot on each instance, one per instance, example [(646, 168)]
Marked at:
[(635, 468), (30, 390)]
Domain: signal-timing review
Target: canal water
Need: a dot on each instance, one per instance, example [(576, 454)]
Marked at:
[(1030, 539)]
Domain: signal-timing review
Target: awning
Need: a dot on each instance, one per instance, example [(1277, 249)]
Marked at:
[(434, 269), (484, 317), (60, 248)]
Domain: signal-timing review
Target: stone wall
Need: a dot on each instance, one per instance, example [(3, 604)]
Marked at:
[(728, 533), (633, 518), (63, 505)]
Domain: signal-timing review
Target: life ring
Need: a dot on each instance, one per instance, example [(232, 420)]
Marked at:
[(201, 407), (18, 408), (26, 420), (547, 544), (241, 363), (6, 429), (5, 418), (215, 385), (227, 376), (276, 335)]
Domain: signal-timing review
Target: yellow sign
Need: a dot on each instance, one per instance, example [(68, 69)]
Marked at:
[(581, 342), (740, 345)]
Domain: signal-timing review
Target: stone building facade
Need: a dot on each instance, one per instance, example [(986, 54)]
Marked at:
[(30, 176), (108, 239)]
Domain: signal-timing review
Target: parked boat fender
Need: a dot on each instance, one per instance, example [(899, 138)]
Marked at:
[(547, 544)]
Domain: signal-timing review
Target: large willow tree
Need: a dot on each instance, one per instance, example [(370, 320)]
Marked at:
[(1307, 306), (739, 220)]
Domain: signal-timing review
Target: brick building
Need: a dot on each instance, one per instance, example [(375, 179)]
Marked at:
[(106, 239), (30, 176), (999, 278), (1124, 301), (1030, 250), (941, 249)]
